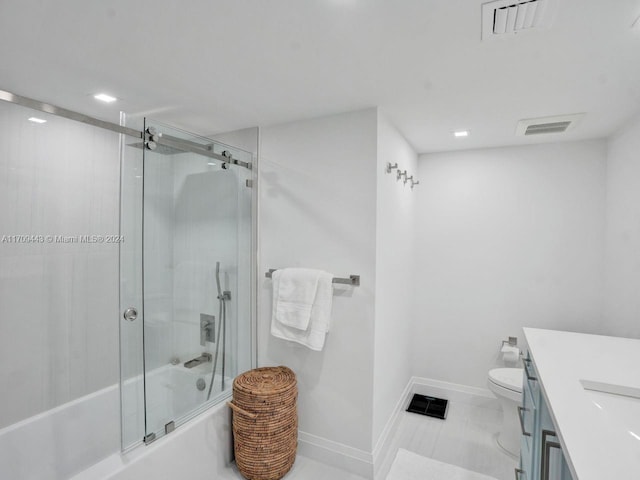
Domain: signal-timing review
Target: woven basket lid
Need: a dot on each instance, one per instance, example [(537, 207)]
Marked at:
[(265, 380)]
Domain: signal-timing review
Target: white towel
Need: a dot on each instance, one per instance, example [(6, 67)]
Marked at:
[(314, 336), (294, 295)]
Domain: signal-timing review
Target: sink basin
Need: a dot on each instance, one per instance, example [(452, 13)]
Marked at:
[(613, 389), (617, 405)]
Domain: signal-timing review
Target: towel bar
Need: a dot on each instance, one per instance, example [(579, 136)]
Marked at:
[(352, 280)]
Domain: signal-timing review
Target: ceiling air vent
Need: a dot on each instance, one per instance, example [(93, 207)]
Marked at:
[(504, 18), (556, 124), (553, 127)]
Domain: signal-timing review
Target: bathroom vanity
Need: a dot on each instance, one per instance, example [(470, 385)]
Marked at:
[(580, 413)]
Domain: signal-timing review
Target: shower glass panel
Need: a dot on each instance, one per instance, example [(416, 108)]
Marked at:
[(191, 223), (58, 294)]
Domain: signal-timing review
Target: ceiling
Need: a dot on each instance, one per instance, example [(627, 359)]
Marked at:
[(210, 66)]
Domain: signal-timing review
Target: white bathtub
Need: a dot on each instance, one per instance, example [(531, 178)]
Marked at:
[(81, 439), (201, 449), (171, 394), (60, 442)]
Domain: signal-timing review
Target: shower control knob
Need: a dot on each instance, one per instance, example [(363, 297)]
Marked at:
[(130, 314), (151, 130), (151, 145)]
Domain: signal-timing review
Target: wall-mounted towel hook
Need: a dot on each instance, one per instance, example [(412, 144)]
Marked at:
[(408, 179), (391, 166), (414, 183), (400, 174)]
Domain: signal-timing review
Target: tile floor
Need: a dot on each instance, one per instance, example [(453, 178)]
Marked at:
[(466, 438)]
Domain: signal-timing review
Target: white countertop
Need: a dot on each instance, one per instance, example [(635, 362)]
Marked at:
[(599, 432)]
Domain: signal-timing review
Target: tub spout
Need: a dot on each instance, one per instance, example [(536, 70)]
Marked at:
[(205, 357)]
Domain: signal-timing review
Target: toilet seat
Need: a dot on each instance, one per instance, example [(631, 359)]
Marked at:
[(509, 378)]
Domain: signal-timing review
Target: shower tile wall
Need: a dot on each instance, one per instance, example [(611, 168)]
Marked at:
[(58, 301), (206, 232), (191, 223), (158, 260)]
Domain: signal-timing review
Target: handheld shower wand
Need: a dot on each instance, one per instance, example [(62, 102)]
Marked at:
[(222, 327), (218, 280)]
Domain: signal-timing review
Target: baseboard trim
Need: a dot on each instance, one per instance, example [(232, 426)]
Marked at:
[(382, 444), (454, 391), (337, 454)]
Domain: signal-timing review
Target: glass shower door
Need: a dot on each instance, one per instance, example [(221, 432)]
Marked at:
[(196, 249)]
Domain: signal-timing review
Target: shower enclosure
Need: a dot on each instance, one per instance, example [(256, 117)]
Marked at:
[(185, 277), (127, 259)]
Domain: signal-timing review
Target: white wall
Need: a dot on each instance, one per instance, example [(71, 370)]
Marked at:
[(394, 273), (317, 210), (622, 279), (58, 302), (506, 238)]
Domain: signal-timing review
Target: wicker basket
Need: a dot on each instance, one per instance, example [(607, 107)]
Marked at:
[(265, 422)]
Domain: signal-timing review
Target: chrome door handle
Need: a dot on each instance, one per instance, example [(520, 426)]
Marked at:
[(525, 362), (130, 314), (521, 411), (520, 472)]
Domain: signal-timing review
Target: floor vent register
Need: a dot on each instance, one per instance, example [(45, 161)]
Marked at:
[(429, 406)]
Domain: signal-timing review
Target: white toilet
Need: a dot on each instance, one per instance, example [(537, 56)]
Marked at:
[(506, 384)]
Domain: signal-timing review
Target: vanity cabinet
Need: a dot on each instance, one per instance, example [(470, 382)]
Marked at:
[(541, 456)]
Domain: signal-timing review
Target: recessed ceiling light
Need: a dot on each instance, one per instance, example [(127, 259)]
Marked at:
[(103, 97), (37, 120), (461, 133)]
